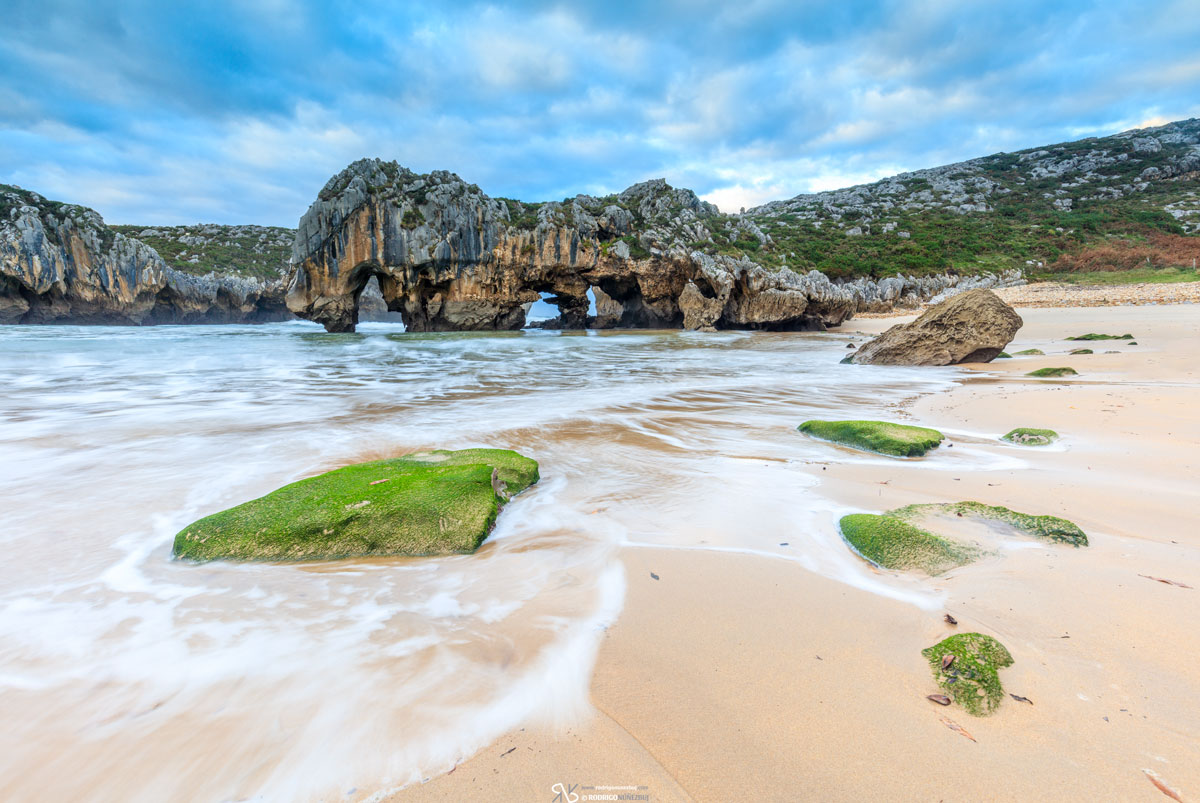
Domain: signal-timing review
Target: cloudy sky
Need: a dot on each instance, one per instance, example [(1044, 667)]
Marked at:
[(181, 112)]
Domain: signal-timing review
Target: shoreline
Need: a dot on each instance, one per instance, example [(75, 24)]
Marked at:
[(1059, 295), (732, 676)]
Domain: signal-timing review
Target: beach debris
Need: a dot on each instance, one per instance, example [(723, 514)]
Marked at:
[(376, 482), (1162, 785), (959, 729), (950, 620), (506, 752), (655, 576), (783, 543), (1020, 699), (1165, 581), (940, 699), (966, 666)]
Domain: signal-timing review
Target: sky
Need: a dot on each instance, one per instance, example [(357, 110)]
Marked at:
[(167, 113)]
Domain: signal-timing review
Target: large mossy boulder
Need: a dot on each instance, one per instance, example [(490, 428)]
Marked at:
[(884, 437), (967, 667), (974, 326), (438, 503)]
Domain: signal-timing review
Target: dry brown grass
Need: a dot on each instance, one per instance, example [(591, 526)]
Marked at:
[(1156, 251)]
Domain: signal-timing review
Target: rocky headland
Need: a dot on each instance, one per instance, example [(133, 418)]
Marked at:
[(448, 257), (435, 250), (60, 263)]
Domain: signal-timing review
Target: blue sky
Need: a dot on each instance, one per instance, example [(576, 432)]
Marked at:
[(182, 112)]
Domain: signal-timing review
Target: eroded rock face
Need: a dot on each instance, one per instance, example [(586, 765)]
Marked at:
[(448, 257), (59, 263), (974, 326)]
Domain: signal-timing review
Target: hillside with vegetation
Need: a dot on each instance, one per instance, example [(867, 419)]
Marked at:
[(250, 252), (1128, 201)]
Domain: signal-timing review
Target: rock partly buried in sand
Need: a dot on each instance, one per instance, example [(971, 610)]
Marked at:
[(1028, 436), (438, 503), (1045, 372), (1051, 528), (1082, 351), (1031, 353), (893, 543), (967, 667), (899, 539), (1094, 336), (896, 440), (1004, 355), (974, 326)]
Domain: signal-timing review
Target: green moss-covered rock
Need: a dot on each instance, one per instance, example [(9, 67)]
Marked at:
[(1082, 351), (897, 440), (972, 678), (1052, 528), (1004, 355), (1031, 353), (431, 504), (1094, 336), (1028, 436), (1045, 372), (896, 544)]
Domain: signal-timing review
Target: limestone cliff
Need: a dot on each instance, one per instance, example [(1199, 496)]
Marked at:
[(60, 263), (448, 257)]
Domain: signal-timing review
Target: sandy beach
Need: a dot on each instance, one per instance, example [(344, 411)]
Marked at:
[(732, 676)]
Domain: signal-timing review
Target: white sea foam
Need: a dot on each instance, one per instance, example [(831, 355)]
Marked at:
[(302, 682)]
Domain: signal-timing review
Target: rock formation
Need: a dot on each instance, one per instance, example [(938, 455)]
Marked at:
[(60, 263), (448, 257), (974, 326)]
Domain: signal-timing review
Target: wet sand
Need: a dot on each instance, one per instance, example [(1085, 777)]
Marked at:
[(736, 676)]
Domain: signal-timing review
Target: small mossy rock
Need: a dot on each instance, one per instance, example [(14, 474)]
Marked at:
[(438, 503), (972, 679), (1004, 355), (1031, 353), (895, 544), (974, 326), (1051, 372), (1082, 351), (1094, 336), (1051, 528), (1028, 436), (884, 437)]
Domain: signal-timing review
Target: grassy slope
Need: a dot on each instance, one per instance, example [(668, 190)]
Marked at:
[(260, 252)]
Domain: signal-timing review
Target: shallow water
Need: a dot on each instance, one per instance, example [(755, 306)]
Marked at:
[(127, 676)]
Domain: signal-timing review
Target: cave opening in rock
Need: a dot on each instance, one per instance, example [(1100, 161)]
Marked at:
[(562, 310), (371, 305)]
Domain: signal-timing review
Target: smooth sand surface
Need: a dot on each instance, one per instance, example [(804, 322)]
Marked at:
[(741, 677)]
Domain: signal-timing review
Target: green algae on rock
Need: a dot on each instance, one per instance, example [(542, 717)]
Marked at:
[(1052, 528), (1050, 372), (1004, 355), (438, 503), (896, 440), (971, 677), (895, 544), (1028, 436), (1031, 353), (1094, 336), (1082, 351)]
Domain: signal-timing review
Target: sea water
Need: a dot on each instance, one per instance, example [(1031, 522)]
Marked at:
[(126, 675)]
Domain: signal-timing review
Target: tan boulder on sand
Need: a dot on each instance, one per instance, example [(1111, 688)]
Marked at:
[(974, 326)]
